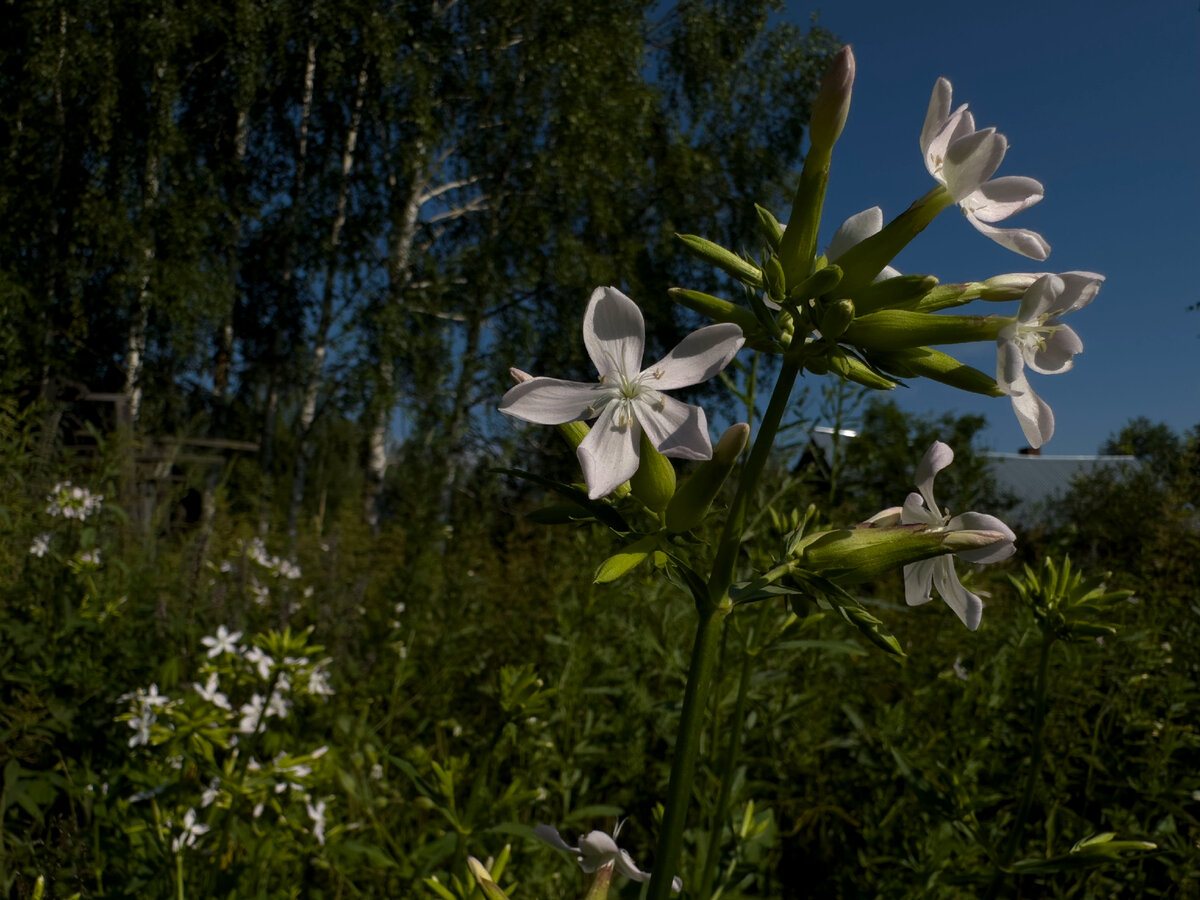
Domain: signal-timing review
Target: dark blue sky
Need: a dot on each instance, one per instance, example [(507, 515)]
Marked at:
[(1100, 101)]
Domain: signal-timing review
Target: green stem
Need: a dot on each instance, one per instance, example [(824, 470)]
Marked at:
[(1009, 849), (179, 874), (708, 639)]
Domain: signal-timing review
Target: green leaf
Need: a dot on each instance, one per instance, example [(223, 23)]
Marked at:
[(626, 560)]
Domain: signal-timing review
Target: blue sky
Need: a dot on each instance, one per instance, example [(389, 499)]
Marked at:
[(1100, 101)]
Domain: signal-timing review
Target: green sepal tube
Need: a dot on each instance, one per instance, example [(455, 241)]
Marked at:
[(654, 481), (901, 292), (866, 259), (820, 282), (770, 227), (925, 362), (692, 500), (997, 289), (853, 369), (855, 555), (900, 329), (715, 308), (726, 260)]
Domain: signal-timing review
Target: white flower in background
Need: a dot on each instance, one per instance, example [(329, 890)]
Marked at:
[(261, 661), (209, 795), (1039, 340), (90, 558), (210, 693), (964, 160), (317, 814), (191, 831), (597, 849), (141, 727), (921, 509), (628, 399), (318, 683), (40, 546), (278, 706), (72, 502), (224, 641), (252, 714), (855, 230), (258, 592)]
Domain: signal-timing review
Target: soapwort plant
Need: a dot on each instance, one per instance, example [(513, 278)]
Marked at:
[(848, 314)]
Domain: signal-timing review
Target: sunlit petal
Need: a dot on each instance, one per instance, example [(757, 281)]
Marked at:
[(936, 458), (973, 521), (855, 230), (551, 401), (918, 582), (1055, 354), (609, 453), (966, 605), (1003, 197), (675, 429), (698, 357), (614, 333), (972, 160)]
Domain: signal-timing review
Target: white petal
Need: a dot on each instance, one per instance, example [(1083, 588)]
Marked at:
[(1018, 240), (972, 160), (698, 357), (553, 838), (959, 125), (937, 113), (1034, 413), (609, 453), (596, 849), (614, 333), (886, 517), (966, 605), (915, 512), (627, 867), (1079, 289), (1057, 354), (936, 458), (1010, 363), (1041, 299), (551, 401), (973, 521), (855, 230), (1003, 197), (918, 582), (674, 428)]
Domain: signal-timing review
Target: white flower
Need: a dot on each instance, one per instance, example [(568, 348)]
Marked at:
[(190, 832), (596, 850), (922, 509), (317, 814), (628, 399), (1039, 340), (224, 641), (855, 230), (210, 693), (40, 546), (261, 661), (89, 558), (141, 727), (210, 793), (252, 714), (963, 160)]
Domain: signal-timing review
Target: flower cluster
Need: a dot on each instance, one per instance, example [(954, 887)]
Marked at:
[(72, 502)]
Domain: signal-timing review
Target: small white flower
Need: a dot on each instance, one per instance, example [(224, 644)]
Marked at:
[(964, 160), (224, 641), (89, 558), (210, 693), (597, 849), (317, 814), (628, 399), (209, 795), (252, 714), (1038, 340), (40, 546), (921, 509), (141, 727), (261, 661)]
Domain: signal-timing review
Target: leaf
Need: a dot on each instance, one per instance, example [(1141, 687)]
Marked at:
[(626, 560), (597, 508)]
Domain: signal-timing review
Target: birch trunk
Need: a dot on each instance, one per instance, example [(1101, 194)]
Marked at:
[(312, 382)]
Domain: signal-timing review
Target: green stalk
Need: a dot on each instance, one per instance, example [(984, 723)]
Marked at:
[(708, 638), (1009, 850)]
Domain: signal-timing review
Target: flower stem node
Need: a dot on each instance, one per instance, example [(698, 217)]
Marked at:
[(692, 500)]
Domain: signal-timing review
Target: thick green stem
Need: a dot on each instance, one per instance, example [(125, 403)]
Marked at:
[(1009, 850), (708, 639)]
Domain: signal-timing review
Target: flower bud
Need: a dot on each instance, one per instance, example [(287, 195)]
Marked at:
[(723, 259), (1007, 287), (654, 481), (925, 362), (692, 500), (836, 318), (715, 308), (903, 291), (771, 227), (899, 329), (853, 369), (820, 282), (833, 102)]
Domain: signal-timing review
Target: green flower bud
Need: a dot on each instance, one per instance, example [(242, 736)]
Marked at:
[(901, 292), (654, 481), (925, 362), (723, 259), (836, 318), (833, 102), (692, 500), (866, 259), (821, 282), (854, 369), (716, 309), (899, 329), (770, 226), (773, 276)]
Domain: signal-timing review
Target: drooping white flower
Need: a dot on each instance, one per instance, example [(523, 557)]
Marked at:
[(1039, 340), (855, 230), (597, 849), (964, 160), (921, 509), (628, 399), (224, 641)]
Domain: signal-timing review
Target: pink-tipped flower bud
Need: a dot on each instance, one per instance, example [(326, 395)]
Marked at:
[(833, 102)]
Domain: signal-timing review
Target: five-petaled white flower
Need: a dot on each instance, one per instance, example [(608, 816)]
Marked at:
[(922, 509), (1039, 340), (963, 160), (628, 399), (210, 693), (191, 831), (224, 641), (597, 849)]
